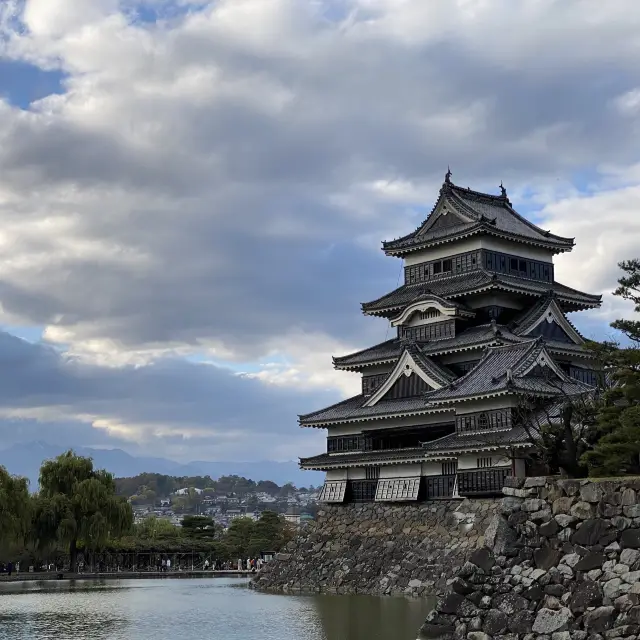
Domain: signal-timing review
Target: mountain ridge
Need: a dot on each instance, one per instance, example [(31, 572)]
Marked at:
[(24, 459)]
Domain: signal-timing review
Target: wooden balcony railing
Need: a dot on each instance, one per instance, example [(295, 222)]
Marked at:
[(484, 482)]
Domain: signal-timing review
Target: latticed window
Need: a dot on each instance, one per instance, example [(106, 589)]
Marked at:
[(449, 468), (483, 463), (362, 490), (483, 421), (372, 473), (338, 444)]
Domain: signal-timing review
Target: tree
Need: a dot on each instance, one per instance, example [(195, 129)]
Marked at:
[(154, 528), (78, 504), (201, 527), (15, 506), (558, 430), (617, 438)]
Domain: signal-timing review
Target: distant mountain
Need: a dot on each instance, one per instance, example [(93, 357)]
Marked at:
[(25, 460)]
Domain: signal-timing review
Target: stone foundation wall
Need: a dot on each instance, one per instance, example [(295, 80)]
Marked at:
[(375, 548), (562, 563)]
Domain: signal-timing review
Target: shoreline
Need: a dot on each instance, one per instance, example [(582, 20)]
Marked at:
[(123, 575)]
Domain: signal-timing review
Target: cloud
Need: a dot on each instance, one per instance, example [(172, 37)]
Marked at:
[(172, 408), (215, 179)]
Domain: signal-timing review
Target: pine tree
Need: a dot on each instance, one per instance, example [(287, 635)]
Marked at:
[(616, 437)]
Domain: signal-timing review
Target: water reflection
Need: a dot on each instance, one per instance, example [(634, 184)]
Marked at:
[(220, 609)]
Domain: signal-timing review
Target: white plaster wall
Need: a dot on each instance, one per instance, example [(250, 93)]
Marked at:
[(519, 465), (471, 244), (344, 430), (486, 405), (462, 356), (400, 470), (431, 468), (356, 473), (392, 423), (470, 461), (336, 474), (467, 462), (444, 251), (516, 249), (415, 320), (378, 369)]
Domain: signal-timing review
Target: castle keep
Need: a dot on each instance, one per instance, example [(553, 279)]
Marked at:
[(481, 325)]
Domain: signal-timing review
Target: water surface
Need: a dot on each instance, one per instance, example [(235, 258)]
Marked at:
[(204, 609)]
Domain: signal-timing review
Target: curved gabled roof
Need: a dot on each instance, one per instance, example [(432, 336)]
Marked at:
[(474, 213), (475, 282), (510, 369)]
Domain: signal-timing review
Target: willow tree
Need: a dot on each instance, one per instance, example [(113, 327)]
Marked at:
[(15, 507), (78, 504)]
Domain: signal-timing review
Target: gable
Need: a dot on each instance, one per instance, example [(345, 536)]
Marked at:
[(542, 366), (406, 368), (407, 387), (445, 221), (443, 216), (553, 325), (551, 331)]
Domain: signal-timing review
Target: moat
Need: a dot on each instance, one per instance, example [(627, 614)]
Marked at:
[(215, 609)]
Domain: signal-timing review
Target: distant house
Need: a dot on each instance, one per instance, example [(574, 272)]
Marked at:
[(185, 491)]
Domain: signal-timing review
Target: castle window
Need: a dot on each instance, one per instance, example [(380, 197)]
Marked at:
[(483, 463), (446, 265), (483, 421), (437, 267), (450, 468), (514, 264), (372, 473)]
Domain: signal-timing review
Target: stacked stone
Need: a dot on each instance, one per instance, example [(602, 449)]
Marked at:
[(381, 549), (561, 562)]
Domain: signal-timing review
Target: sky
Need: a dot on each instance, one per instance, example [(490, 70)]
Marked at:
[(193, 194)]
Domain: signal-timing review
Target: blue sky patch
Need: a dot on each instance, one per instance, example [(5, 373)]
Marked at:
[(22, 83)]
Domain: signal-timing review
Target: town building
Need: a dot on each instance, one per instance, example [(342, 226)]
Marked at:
[(480, 331)]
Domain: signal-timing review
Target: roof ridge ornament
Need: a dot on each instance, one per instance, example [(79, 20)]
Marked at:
[(503, 193), (447, 176)]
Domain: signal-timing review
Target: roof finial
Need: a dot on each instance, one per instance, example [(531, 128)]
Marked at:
[(447, 176), (503, 191)]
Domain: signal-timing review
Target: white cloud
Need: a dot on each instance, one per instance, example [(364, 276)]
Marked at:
[(217, 185)]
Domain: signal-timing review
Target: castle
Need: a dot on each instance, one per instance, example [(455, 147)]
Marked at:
[(481, 328)]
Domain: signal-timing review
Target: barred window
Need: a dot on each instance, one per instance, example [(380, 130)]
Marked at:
[(362, 490), (339, 444), (372, 473), (483, 421), (483, 463), (450, 468)]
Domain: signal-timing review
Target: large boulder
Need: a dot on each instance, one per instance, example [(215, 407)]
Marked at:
[(482, 558), (590, 532), (499, 536), (510, 603), (630, 539), (600, 619), (587, 594), (590, 561), (521, 621), (546, 557), (495, 622), (551, 620)]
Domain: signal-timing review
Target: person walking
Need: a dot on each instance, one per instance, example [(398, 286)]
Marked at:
[(164, 565), (168, 564)]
